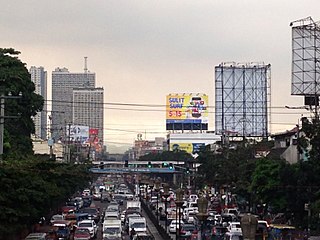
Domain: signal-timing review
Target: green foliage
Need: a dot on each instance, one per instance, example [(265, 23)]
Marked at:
[(267, 185), (31, 189), (15, 80)]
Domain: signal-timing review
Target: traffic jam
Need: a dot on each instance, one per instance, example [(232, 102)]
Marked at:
[(122, 207)]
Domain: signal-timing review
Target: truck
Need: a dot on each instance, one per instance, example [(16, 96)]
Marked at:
[(134, 205), (112, 229)]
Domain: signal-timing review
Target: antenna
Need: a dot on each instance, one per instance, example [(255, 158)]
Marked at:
[(85, 65)]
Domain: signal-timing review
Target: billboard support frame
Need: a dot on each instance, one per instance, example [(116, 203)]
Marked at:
[(242, 99), (305, 72)]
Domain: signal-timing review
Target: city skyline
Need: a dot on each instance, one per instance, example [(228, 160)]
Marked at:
[(142, 50)]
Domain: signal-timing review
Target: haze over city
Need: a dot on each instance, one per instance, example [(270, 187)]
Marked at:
[(143, 50)]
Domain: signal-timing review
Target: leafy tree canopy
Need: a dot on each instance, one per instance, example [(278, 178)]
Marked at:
[(15, 81)]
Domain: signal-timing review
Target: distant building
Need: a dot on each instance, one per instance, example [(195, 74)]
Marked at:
[(286, 145), (39, 78), (88, 108), (63, 83), (144, 147)]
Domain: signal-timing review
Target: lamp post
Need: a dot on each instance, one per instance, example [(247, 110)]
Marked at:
[(157, 189), (202, 215), (249, 224), (179, 203), (166, 195)]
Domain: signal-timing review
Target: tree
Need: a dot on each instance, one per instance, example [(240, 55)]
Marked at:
[(266, 185), (15, 80), (33, 188)]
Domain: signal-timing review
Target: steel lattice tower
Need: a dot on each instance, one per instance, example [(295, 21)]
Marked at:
[(242, 98)]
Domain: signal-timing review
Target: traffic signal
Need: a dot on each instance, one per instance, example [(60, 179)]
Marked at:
[(170, 166), (187, 170), (101, 165), (165, 164), (126, 164), (149, 165)]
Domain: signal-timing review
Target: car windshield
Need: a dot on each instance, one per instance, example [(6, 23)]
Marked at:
[(138, 225), (82, 231), (89, 210), (189, 227), (110, 230), (85, 225)]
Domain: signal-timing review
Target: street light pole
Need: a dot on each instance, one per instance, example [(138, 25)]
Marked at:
[(202, 215), (166, 195), (249, 225), (179, 203), (157, 188)]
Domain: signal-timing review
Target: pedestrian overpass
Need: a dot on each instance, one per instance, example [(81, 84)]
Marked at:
[(104, 167)]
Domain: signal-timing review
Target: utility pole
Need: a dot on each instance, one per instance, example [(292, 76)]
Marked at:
[(2, 117), (1, 124)]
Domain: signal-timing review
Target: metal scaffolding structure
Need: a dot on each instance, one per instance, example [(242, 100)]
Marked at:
[(242, 99), (305, 57)]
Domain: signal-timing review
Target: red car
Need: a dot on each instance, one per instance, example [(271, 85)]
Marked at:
[(82, 233)]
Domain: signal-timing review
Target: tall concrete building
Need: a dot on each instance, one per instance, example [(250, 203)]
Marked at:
[(39, 78), (63, 83), (88, 108)]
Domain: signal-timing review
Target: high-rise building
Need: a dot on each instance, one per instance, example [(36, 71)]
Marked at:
[(39, 78), (88, 108), (63, 83)]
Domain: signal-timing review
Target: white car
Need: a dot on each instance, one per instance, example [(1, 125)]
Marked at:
[(174, 226), (55, 218), (86, 192), (90, 225)]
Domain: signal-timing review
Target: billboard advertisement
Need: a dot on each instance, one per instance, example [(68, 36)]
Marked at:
[(77, 133), (188, 147), (187, 108), (93, 131)]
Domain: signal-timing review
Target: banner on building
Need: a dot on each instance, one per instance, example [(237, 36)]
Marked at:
[(77, 133)]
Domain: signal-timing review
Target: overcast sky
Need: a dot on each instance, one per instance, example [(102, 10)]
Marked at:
[(143, 50)]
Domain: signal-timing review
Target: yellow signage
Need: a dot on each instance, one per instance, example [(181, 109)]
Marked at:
[(188, 147)]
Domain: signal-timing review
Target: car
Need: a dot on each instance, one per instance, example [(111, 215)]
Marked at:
[(218, 232), (233, 236), (87, 200), (63, 233), (119, 199), (86, 192), (187, 230), (234, 227), (56, 217), (36, 236), (82, 234), (174, 225), (92, 212), (90, 225)]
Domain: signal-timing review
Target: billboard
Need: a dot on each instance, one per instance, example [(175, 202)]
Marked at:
[(77, 133), (189, 110), (242, 99), (305, 77), (188, 147)]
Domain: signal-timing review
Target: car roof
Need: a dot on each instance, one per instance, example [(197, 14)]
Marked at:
[(86, 221)]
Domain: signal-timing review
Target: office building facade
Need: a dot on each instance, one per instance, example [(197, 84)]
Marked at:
[(88, 108), (63, 83), (39, 78)]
